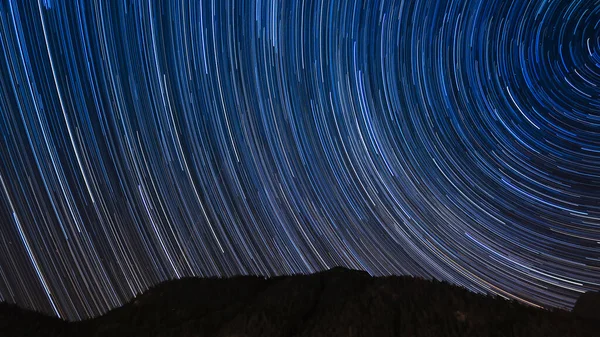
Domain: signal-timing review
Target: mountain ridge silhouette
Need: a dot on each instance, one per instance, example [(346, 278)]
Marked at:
[(335, 302)]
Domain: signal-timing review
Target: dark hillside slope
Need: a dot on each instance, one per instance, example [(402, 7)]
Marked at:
[(338, 302)]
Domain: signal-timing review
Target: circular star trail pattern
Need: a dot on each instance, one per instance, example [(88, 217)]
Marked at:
[(145, 141)]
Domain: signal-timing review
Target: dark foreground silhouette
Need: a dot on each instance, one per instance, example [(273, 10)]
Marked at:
[(338, 302)]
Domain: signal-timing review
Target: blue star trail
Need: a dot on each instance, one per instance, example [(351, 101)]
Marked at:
[(148, 140)]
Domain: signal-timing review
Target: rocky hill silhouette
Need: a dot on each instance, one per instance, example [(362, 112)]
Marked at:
[(338, 302)]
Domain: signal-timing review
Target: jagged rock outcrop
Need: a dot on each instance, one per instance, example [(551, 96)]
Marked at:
[(588, 305)]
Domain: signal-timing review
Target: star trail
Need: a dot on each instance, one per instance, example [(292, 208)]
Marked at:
[(143, 141)]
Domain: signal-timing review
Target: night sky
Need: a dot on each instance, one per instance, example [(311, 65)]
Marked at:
[(145, 141)]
